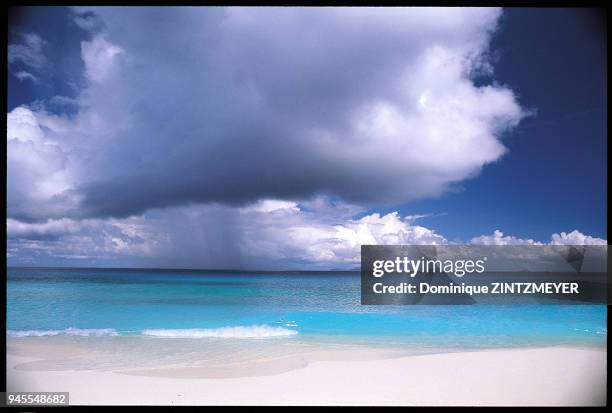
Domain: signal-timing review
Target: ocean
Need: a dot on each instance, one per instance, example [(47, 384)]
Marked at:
[(45, 302)]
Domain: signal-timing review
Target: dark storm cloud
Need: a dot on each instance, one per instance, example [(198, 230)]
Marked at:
[(234, 106), (250, 168)]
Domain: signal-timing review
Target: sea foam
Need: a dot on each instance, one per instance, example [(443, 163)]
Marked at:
[(95, 332), (255, 331)]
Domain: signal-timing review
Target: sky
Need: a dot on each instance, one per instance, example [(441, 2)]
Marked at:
[(285, 138)]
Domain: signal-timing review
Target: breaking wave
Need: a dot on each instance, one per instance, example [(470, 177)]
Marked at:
[(256, 331)]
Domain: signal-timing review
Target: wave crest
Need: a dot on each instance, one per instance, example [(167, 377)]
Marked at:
[(256, 331), (87, 332)]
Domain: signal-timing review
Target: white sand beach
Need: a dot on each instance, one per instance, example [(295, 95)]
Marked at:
[(554, 376)]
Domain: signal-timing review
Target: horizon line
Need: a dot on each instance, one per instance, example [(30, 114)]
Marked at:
[(182, 269)]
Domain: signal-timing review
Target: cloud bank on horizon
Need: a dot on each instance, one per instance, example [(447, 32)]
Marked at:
[(242, 137)]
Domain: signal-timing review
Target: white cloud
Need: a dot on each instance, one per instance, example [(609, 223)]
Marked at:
[(573, 238), (22, 125), (498, 238), (576, 238), (99, 57), (324, 236), (271, 205), (38, 167)]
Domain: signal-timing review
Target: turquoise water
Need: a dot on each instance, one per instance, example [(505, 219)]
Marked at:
[(85, 302)]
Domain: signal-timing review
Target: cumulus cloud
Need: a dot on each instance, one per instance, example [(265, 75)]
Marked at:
[(242, 104), (327, 235), (573, 238), (38, 175), (498, 238), (576, 238)]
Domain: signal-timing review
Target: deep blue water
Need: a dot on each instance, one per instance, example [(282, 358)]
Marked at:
[(130, 302)]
